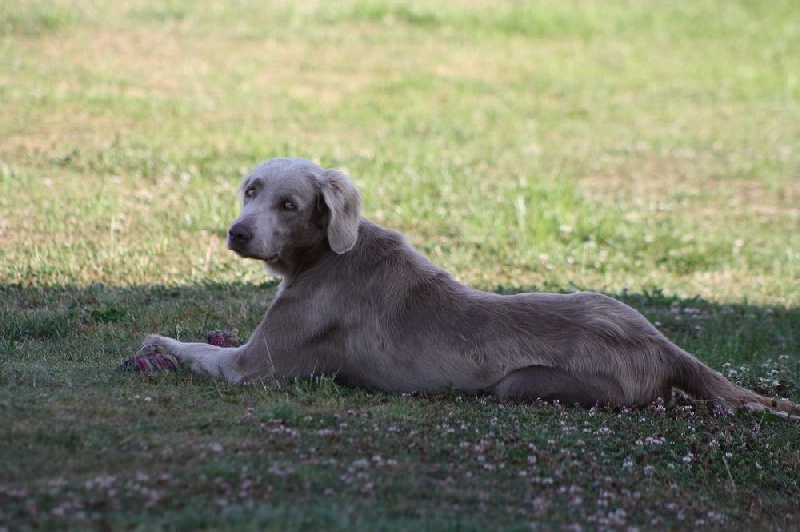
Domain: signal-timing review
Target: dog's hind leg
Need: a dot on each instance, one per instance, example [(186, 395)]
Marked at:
[(555, 384)]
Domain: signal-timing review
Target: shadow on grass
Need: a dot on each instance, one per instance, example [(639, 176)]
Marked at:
[(755, 346), (83, 445)]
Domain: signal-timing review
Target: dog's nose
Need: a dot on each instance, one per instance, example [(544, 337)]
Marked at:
[(240, 233)]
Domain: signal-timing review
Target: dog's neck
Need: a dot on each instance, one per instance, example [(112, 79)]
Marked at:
[(296, 262)]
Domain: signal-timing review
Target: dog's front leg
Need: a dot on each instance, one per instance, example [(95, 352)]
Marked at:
[(220, 362)]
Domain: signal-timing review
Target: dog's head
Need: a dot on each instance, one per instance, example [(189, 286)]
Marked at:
[(292, 207)]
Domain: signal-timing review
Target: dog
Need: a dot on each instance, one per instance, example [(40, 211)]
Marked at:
[(358, 302)]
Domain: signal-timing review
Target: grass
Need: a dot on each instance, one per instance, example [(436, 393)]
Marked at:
[(644, 149)]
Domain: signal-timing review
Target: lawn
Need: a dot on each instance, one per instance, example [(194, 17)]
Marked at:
[(649, 150)]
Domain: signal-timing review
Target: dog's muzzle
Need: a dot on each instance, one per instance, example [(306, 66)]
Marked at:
[(239, 236)]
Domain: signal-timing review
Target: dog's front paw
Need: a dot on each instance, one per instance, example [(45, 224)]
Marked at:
[(153, 356), (155, 344)]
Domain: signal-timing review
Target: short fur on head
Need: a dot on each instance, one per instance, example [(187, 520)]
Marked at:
[(291, 210), (359, 302)]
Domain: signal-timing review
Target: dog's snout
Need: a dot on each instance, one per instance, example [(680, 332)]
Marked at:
[(240, 233)]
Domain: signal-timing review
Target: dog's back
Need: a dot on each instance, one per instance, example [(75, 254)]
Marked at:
[(396, 322), (393, 321)]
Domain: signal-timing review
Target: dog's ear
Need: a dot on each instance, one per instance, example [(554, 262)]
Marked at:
[(344, 204)]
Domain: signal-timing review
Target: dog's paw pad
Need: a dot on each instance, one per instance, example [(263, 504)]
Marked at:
[(223, 338)]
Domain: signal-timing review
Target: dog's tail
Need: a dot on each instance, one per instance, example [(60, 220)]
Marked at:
[(704, 383)]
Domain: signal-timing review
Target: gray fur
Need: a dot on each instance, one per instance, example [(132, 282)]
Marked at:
[(358, 301)]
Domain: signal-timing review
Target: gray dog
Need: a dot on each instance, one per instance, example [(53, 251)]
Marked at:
[(359, 302)]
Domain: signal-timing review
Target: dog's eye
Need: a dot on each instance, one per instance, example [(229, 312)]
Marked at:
[(289, 206), (250, 193)]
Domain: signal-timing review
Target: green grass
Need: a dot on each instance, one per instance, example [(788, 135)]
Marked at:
[(649, 150)]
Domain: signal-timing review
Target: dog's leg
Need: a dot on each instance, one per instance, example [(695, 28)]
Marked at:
[(556, 384), (216, 361)]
